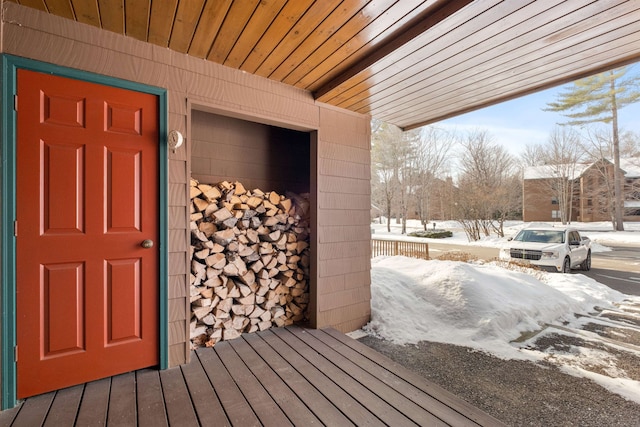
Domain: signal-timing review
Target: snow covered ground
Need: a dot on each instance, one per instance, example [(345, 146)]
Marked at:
[(486, 307), (600, 232)]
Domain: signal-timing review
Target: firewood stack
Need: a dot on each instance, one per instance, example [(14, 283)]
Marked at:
[(249, 260)]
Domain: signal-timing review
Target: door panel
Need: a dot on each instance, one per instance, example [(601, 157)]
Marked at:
[(123, 177), (123, 300), (63, 312), (87, 196), (62, 188)]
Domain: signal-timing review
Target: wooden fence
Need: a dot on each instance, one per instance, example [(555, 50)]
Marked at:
[(399, 247)]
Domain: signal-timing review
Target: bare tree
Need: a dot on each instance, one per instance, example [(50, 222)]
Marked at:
[(384, 166), (629, 144), (533, 155), (392, 169), (489, 186), (432, 153), (563, 153), (599, 143), (408, 177), (598, 147)]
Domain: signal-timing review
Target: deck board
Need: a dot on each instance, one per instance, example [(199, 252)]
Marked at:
[(346, 403), (7, 416), (285, 376), (34, 411), (122, 400), (177, 400), (236, 407), (203, 396), (296, 411), (95, 403), (399, 402), (64, 408), (151, 409), (381, 372), (268, 412), (378, 407), (454, 403), (328, 413)]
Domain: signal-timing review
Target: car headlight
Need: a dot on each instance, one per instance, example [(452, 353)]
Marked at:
[(505, 252), (549, 254)]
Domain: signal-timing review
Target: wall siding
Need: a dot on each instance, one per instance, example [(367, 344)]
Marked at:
[(343, 170), (2, 219), (536, 201), (257, 155), (344, 257)]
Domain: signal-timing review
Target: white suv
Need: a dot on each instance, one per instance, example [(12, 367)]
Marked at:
[(551, 248)]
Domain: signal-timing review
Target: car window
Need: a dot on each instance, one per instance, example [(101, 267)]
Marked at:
[(540, 236), (574, 237)]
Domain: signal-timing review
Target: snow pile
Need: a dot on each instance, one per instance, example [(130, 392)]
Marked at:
[(483, 306), (487, 307)]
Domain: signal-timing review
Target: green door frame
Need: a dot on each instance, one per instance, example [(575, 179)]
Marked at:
[(10, 65)]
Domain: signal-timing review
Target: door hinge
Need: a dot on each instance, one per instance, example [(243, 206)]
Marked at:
[(15, 228), (15, 353), (15, 102)]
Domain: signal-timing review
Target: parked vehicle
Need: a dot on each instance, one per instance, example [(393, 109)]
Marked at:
[(551, 248)]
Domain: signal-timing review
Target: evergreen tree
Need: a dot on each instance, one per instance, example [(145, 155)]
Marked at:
[(598, 99)]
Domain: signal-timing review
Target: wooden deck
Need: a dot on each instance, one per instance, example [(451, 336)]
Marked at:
[(279, 377)]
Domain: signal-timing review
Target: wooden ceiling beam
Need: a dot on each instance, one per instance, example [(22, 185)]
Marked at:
[(36, 4), (279, 28), (62, 8), (514, 95), (185, 21), (112, 15), (408, 62), (514, 46), (259, 22), (86, 12), (607, 61), (430, 55), (404, 35), (161, 21), (137, 18), (212, 16), (308, 22), (359, 46), (237, 17)]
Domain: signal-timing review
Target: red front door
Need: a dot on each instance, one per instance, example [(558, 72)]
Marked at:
[(87, 197)]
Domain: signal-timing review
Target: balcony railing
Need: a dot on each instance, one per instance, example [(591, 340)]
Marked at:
[(399, 247)]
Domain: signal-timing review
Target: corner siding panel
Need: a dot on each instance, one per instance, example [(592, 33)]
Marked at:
[(344, 232)]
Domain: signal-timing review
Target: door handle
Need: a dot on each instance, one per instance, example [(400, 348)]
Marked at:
[(148, 243)]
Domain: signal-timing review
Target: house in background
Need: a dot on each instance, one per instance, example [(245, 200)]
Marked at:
[(95, 191), (585, 189)]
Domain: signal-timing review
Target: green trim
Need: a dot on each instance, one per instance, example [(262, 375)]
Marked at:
[(164, 229), (10, 64), (8, 240)]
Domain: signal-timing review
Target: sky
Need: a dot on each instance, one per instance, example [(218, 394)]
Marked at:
[(519, 122), (485, 306)]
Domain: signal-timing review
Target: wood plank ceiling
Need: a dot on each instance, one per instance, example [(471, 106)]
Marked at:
[(407, 62)]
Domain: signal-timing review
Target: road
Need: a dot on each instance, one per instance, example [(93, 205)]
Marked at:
[(619, 269)]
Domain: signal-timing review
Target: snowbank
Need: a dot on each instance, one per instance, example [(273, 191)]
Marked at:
[(483, 306)]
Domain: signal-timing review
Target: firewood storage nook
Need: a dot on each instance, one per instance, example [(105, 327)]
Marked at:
[(250, 227)]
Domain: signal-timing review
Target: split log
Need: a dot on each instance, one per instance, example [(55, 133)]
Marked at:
[(249, 260)]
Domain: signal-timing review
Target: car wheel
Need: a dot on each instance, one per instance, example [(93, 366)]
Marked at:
[(586, 264), (566, 265)]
